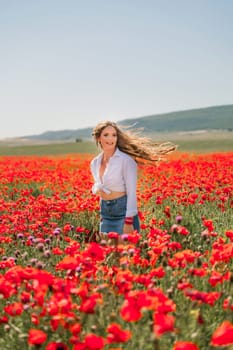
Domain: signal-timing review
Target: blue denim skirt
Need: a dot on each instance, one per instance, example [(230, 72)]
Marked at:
[(112, 213)]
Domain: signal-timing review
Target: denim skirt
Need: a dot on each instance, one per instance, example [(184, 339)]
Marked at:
[(112, 215)]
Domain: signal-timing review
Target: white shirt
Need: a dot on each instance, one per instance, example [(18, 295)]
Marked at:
[(120, 175)]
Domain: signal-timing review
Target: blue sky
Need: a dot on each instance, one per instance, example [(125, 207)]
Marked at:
[(70, 64)]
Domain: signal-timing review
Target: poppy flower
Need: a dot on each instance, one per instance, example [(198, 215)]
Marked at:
[(75, 328), (14, 309), (56, 346), (68, 263), (113, 235), (117, 334), (223, 335), (132, 305), (163, 323), (36, 337), (94, 342), (185, 345), (130, 313), (88, 304)]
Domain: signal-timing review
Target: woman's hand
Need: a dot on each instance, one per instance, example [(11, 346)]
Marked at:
[(128, 229)]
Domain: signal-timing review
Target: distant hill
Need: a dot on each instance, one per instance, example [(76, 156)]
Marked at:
[(209, 118)]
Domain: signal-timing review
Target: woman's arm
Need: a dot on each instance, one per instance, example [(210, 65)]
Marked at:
[(130, 177)]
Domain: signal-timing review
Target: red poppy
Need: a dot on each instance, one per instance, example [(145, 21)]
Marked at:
[(95, 251), (14, 309), (36, 337), (6, 287), (217, 277), (94, 342), (163, 323), (113, 235), (203, 297), (75, 328), (79, 346), (88, 304), (57, 251), (117, 334), (185, 345), (229, 234), (223, 335), (68, 263), (167, 211), (25, 297), (3, 319), (35, 319), (134, 302), (130, 312), (56, 346), (208, 224)]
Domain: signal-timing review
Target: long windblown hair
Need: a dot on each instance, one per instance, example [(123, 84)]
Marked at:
[(130, 142)]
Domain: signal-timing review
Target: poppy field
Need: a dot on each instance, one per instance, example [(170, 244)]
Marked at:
[(63, 287)]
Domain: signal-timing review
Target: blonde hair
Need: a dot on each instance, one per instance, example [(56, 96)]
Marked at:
[(138, 147)]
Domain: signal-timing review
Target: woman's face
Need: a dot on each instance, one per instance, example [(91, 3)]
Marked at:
[(108, 138)]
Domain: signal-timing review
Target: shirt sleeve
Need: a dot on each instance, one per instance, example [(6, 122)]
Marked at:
[(93, 172), (130, 178)]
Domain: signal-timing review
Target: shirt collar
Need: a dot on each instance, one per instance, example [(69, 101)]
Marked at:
[(117, 153)]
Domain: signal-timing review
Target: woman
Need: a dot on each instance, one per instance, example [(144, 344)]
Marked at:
[(115, 174)]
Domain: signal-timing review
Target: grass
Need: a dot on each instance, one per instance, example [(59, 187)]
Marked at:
[(48, 149), (204, 146), (202, 142), (199, 142)]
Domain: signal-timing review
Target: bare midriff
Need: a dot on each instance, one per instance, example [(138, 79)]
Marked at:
[(110, 196)]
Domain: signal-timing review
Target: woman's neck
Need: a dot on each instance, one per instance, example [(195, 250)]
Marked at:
[(107, 155)]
